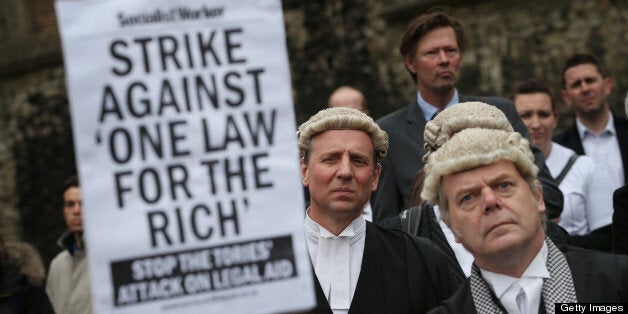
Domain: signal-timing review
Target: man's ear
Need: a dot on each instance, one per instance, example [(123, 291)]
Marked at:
[(608, 85), (565, 97), (409, 62), (376, 174), (304, 172)]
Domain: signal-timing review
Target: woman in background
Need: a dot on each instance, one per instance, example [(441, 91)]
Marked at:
[(587, 204)]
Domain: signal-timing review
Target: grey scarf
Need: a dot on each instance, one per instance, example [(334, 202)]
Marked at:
[(558, 288)]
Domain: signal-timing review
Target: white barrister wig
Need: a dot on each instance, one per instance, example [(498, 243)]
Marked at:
[(459, 117), (341, 118), (472, 148)]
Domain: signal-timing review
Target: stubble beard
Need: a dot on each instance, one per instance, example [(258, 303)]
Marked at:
[(593, 111), (443, 89)]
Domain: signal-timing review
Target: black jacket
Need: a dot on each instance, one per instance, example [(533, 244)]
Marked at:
[(598, 278), (399, 274)]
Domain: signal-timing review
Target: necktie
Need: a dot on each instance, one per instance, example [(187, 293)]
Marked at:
[(435, 114)]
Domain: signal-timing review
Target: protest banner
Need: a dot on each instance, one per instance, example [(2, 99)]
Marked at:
[(184, 133)]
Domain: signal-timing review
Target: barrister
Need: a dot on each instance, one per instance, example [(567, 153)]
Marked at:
[(360, 267)]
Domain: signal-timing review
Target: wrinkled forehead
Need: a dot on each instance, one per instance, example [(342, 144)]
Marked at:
[(494, 169), (346, 139)]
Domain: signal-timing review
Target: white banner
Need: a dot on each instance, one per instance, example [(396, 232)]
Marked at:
[(184, 132)]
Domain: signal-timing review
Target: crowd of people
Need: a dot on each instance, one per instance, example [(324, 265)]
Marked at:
[(525, 218), (452, 204)]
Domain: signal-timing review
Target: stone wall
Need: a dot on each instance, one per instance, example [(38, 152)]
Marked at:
[(330, 42), (36, 150), (509, 41)]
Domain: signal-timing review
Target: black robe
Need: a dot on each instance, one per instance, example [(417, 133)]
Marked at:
[(430, 229), (598, 277), (399, 274)]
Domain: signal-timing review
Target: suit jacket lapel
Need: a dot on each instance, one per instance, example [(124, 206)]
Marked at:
[(415, 124), (574, 140)]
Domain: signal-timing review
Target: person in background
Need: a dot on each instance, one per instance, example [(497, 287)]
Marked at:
[(620, 221), (620, 213), (360, 267), (68, 284), (347, 96), (484, 182), (22, 280), (596, 131), (587, 195), (431, 48)]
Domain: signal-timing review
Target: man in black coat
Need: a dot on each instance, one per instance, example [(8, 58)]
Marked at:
[(596, 131), (484, 182), (620, 220), (432, 47), (586, 87), (360, 267)]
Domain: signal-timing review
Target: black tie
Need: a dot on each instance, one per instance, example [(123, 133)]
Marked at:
[(435, 114)]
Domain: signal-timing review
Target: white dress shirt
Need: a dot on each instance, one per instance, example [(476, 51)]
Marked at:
[(587, 194), (463, 256), (367, 212), (337, 260), (521, 295), (604, 149)]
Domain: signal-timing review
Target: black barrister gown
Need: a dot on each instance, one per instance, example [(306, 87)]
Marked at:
[(400, 273), (598, 277)]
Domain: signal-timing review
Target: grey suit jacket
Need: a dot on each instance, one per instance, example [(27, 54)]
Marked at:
[(404, 159)]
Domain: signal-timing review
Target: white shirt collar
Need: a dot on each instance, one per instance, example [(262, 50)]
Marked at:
[(429, 110), (316, 231), (583, 131), (536, 269), (337, 260)]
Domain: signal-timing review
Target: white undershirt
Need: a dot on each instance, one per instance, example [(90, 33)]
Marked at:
[(604, 149), (524, 292), (337, 260), (587, 195), (464, 257)]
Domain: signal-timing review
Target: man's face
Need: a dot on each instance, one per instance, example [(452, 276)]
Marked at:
[(586, 91), (340, 174), (493, 211), (536, 112), (72, 209), (436, 61)]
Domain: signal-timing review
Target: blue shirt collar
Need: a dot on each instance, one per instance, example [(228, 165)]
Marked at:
[(429, 110), (584, 132)]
